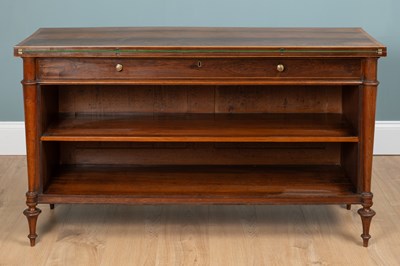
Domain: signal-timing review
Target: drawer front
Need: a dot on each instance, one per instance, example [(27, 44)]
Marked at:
[(165, 68)]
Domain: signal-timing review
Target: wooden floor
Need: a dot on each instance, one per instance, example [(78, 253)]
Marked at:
[(199, 235)]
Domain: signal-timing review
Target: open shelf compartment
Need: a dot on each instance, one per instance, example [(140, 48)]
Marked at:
[(202, 182), (200, 113), (215, 144), (197, 172)]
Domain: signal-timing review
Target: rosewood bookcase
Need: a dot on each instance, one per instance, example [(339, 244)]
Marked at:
[(200, 116)]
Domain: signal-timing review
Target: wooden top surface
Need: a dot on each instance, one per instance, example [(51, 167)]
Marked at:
[(183, 40)]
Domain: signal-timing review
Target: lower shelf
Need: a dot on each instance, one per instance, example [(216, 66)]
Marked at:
[(208, 184)]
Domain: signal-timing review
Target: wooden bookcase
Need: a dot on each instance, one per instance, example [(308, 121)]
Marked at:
[(200, 116)]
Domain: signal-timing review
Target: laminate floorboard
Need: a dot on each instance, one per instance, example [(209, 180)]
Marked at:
[(199, 235)]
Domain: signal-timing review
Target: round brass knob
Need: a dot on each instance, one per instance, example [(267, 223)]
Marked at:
[(119, 67), (280, 68)]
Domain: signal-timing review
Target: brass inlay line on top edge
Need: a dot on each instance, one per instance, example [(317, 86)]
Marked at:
[(118, 51)]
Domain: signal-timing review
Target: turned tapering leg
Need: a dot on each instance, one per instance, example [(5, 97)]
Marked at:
[(51, 206), (348, 206), (32, 213), (367, 127), (366, 214), (32, 134)]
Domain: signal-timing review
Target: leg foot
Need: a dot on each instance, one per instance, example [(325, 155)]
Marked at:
[(366, 214), (366, 217), (32, 214), (51, 206), (348, 206)]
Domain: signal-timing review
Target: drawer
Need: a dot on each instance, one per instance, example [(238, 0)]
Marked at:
[(186, 68)]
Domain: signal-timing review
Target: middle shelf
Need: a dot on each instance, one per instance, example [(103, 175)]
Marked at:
[(249, 127)]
